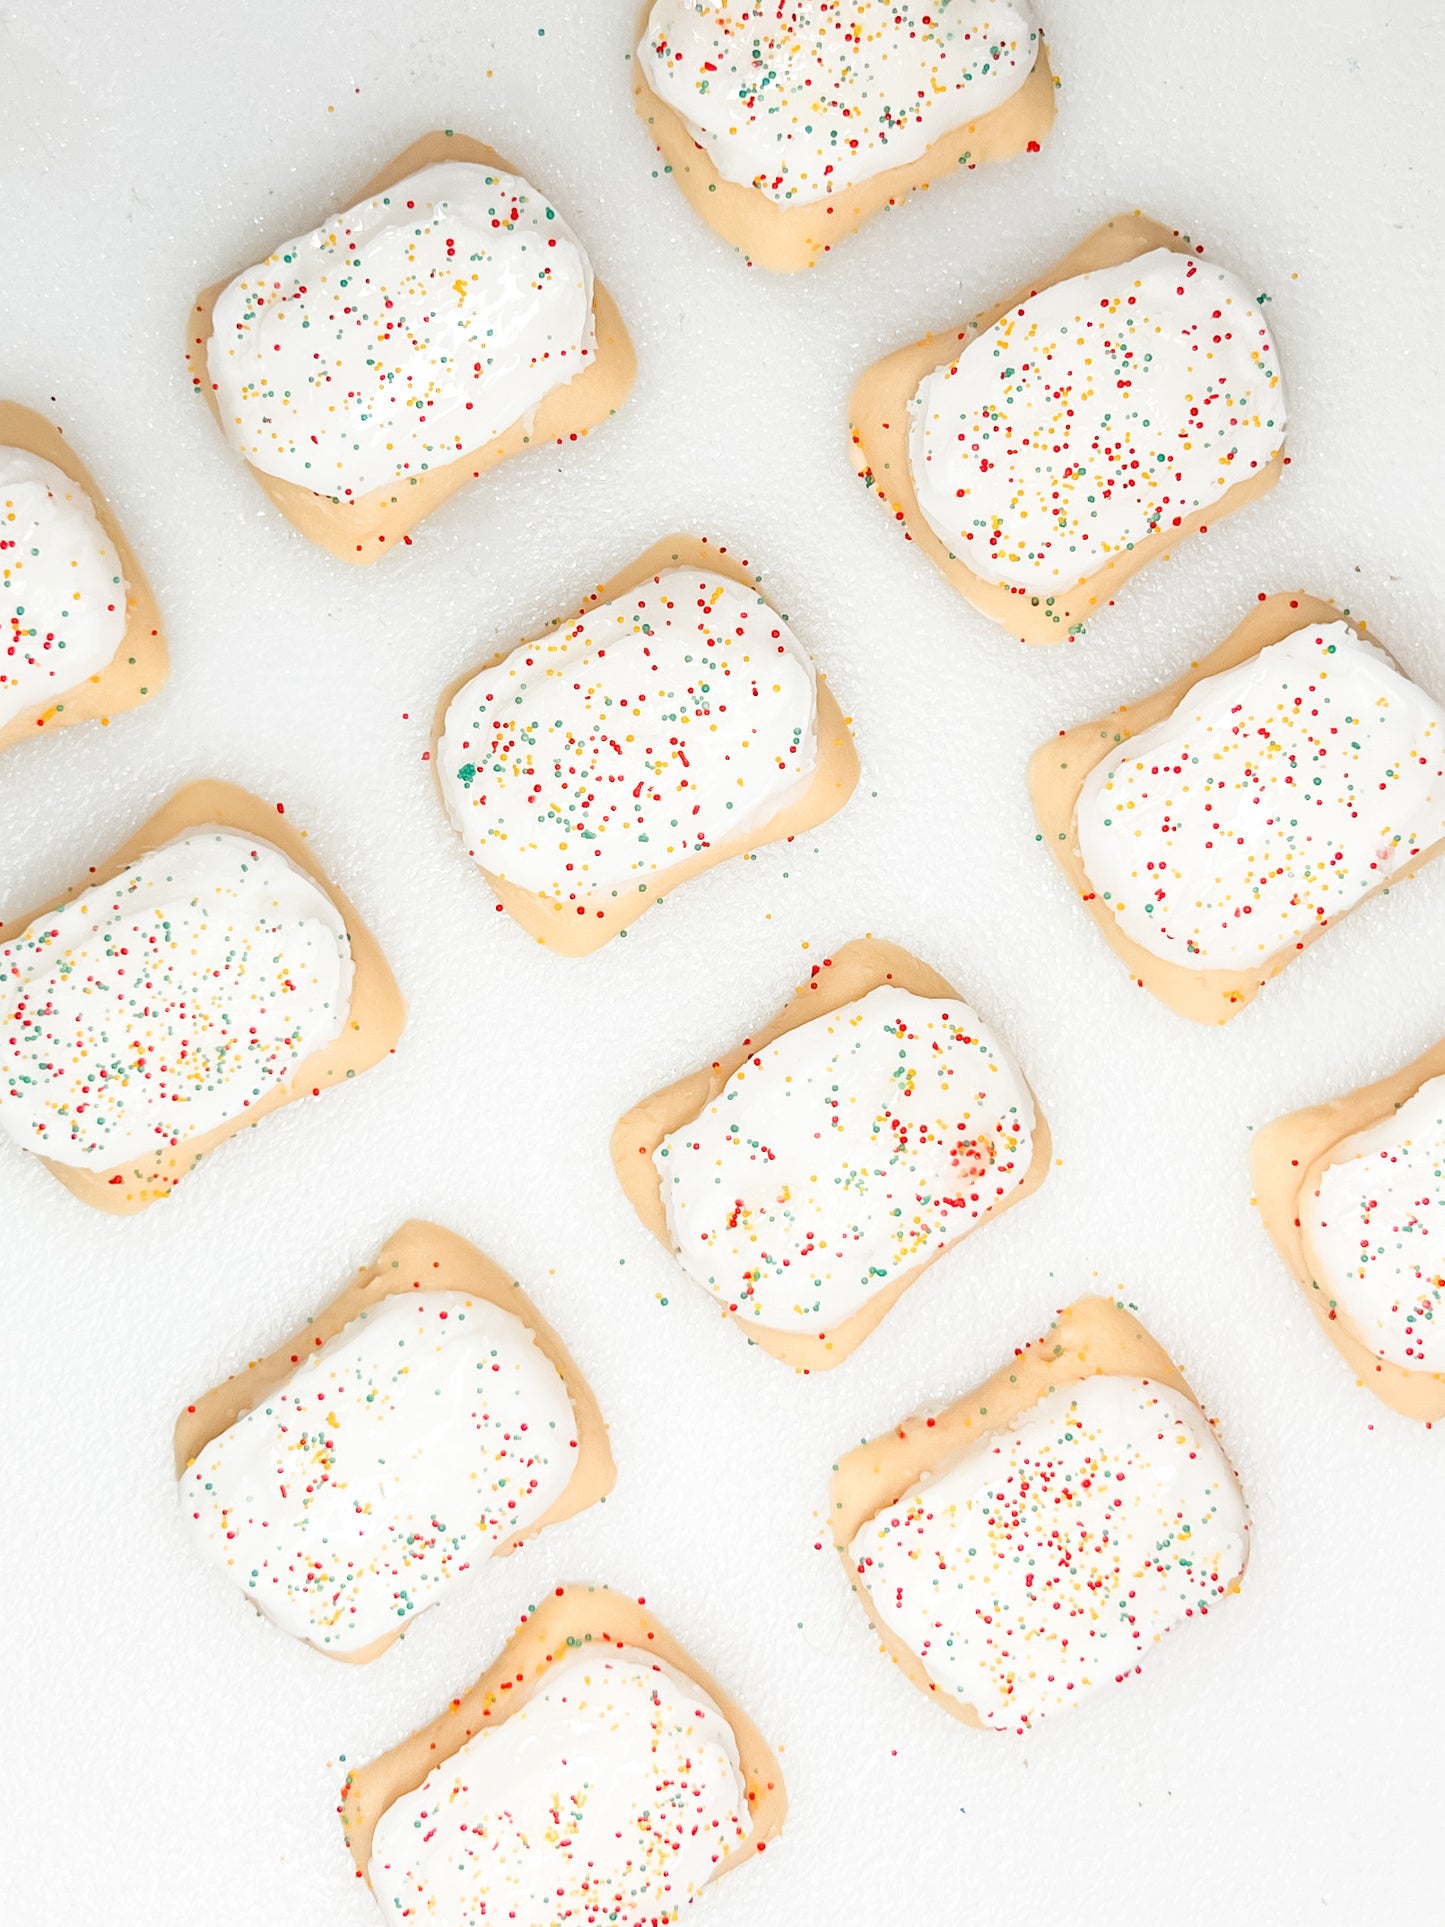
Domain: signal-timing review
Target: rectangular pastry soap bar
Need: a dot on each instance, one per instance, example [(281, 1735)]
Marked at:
[(809, 1176), (593, 1773), (443, 322), (426, 1421), (674, 722), (1031, 1544), (205, 974), (80, 635), (788, 127), (1216, 829), (1043, 452), (1353, 1194)]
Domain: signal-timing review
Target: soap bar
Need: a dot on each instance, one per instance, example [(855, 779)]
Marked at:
[(808, 1177), (593, 1772), (204, 975), (674, 722), (1215, 830), (1351, 1193), (787, 128), (80, 634), (446, 319), (1032, 1543), (424, 1422), (1040, 454)]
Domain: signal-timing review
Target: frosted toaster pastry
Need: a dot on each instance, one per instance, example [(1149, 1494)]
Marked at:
[(80, 635), (672, 723), (594, 1774), (459, 322), (426, 1421), (788, 127), (807, 1177), (1353, 1195), (205, 974), (1214, 830), (1043, 452), (1033, 1543)]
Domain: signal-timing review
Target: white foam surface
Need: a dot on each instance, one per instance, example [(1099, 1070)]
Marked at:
[(168, 1757)]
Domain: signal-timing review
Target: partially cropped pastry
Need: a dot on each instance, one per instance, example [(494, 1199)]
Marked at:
[(1353, 1194), (205, 974), (592, 1774), (426, 1421), (80, 636), (444, 321), (1214, 830), (1043, 452), (1034, 1542), (806, 1178), (787, 126), (675, 721)]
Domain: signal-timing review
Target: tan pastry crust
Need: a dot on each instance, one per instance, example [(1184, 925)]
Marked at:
[(848, 974), (879, 417), (375, 524), (1057, 773), (774, 235), (1286, 1162), (577, 929), (373, 1022), (570, 1617), (418, 1257), (139, 667), (1092, 1337)]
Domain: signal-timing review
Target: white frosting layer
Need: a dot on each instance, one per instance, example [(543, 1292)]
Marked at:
[(1049, 1558), (157, 1006), (1275, 796), (426, 1434), (611, 1795), (803, 101), (62, 593), (854, 1149), (403, 333), (1096, 411), (658, 726), (1370, 1232)]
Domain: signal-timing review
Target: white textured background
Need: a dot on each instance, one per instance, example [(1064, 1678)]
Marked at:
[(167, 1757)]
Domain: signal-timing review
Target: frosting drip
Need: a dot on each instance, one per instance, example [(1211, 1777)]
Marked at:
[(1093, 413), (155, 1007), (1370, 1228), (658, 726), (853, 1150), (609, 1799), (1275, 796), (1048, 1559), (427, 1433), (404, 333), (804, 101), (62, 593)]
